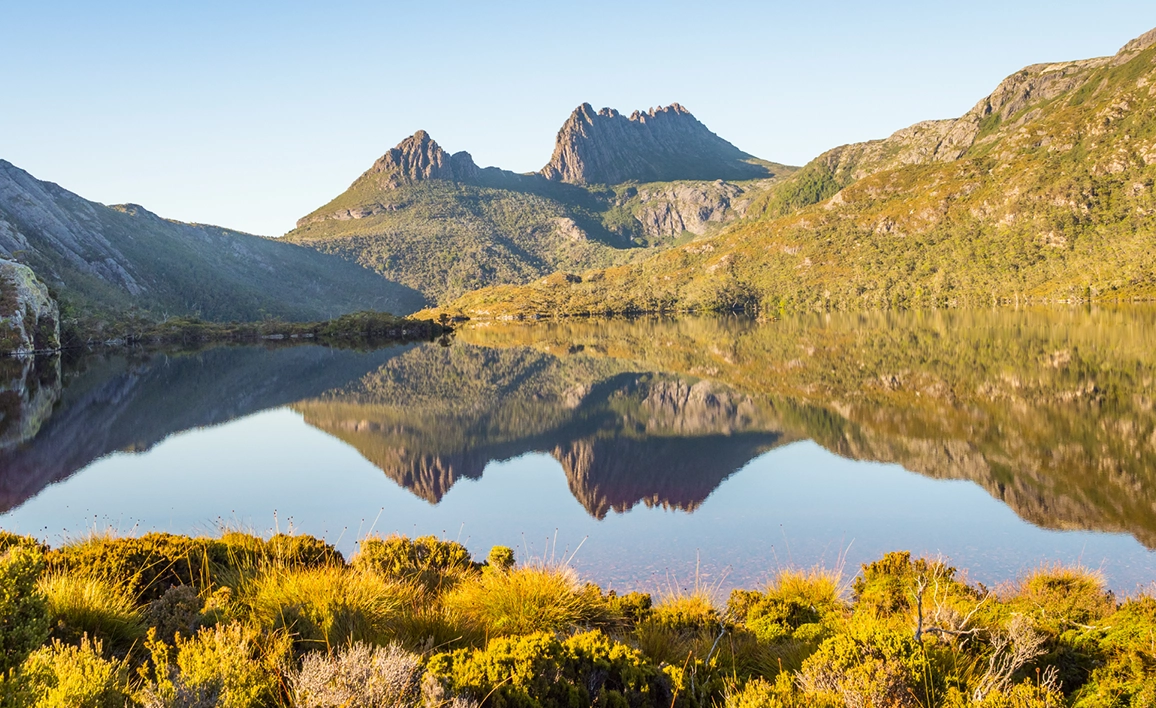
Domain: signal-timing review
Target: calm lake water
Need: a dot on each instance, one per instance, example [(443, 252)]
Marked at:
[(654, 452)]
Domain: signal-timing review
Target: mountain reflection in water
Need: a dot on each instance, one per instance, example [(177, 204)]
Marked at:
[(1050, 411)]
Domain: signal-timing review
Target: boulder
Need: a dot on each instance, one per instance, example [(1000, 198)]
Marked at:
[(29, 317)]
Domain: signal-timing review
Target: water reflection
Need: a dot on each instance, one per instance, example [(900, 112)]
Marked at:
[(1050, 411)]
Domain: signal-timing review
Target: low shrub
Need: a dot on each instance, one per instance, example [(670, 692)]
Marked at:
[(247, 551), (178, 611), (24, 618), (428, 561), (77, 676), (541, 670), (146, 566), (80, 604), (228, 666), (360, 675), (869, 666)]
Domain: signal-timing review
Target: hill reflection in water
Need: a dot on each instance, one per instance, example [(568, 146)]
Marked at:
[(1049, 411)]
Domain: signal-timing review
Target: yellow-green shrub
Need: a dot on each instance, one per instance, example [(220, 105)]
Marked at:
[(427, 561), (869, 666), (228, 666), (541, 670), (24, 620), (76, 676)]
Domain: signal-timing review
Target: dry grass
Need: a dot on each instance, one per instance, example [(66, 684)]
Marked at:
[(81, 604), (535, 598), (329, 606)]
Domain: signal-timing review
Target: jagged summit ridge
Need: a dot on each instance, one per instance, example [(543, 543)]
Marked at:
[(659, 145), (419, 158)]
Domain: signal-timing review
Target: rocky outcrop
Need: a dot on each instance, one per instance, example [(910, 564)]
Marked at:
[(29, 317), (669, 211), (419, 158), (663, 144)]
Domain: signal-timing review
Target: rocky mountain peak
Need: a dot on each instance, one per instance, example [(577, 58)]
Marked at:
[(419, 158), (661, 144)]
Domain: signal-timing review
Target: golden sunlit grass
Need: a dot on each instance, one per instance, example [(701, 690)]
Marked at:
[(80, 604)]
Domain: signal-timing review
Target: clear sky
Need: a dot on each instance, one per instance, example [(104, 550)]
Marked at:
[(250, 115)]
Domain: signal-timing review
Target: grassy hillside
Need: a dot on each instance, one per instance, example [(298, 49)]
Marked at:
[(419, 223), (1044, 192)]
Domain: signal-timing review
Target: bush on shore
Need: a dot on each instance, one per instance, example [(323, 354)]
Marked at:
[(241, 621)]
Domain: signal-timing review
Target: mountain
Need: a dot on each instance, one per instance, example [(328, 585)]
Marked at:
[(1043, 192), (438, 223), (661, 145), (104, 261)]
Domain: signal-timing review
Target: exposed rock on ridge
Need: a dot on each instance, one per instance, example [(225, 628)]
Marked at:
[(657, 146), (418, 158)]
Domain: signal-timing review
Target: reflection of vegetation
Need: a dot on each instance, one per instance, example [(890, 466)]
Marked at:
[(1051, 410), (289, 622)]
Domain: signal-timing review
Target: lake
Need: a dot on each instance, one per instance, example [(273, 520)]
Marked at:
[(652, 453)]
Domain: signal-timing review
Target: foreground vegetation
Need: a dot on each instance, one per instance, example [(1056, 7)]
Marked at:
[(165, 620)]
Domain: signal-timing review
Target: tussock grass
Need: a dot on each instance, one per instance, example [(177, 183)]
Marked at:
[(81, 604), (329, 606), (541, 597)]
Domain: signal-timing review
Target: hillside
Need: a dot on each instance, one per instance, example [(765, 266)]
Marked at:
[(436, 222), (107, 261), (1042, 192)]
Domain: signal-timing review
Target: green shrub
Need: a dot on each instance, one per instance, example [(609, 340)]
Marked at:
[(797, 604), (427, 561), (80, 604), (74, 676), (500, 558), (177, 611), (526, 600), (540, 670), (24, 620), (329, 606), (247, 551), (869, 666), (228, 666), (1126, 652)]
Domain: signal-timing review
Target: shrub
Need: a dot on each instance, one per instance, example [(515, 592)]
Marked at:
[(24, 620), (887, 587), (796, 604), (360, 675), (329, 606), (247, 551), (526, 600), (80, 604), (1126, 650), (869, 666), (74, 676), (1059, 598), (229, 666), (540, 670), (500, 558), (177, 611), (427, 561), (146, 566)]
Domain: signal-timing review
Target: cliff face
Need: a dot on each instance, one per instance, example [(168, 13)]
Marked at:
[(418, 158), (29, 317), (661, 145)]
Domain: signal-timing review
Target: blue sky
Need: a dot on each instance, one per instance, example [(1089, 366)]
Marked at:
[(250, 115)]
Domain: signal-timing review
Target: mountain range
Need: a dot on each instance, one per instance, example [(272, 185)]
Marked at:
[(1042, 192)]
